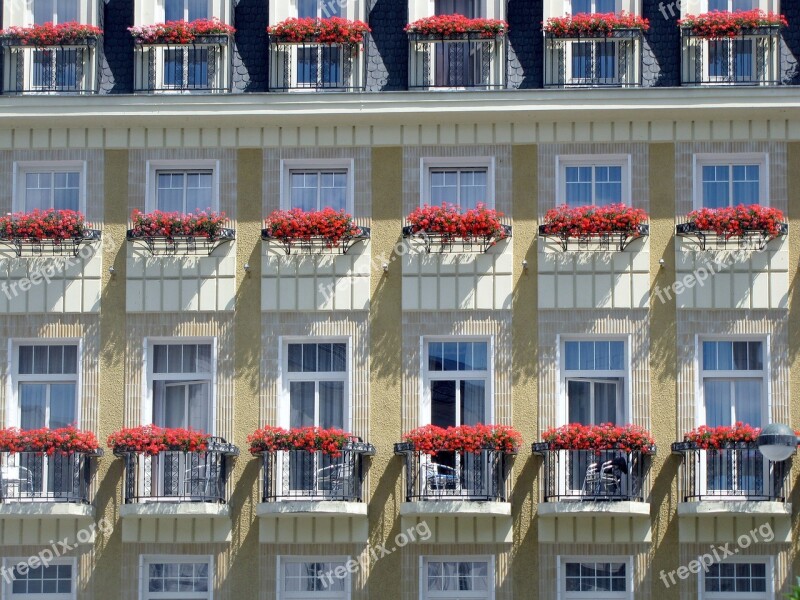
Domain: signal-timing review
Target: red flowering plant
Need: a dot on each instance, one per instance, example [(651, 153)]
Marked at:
[(309, 439), (150, 440), (179, 32), (332, 30), (607, 436), (446, 26), (430, 439), (721, 24), (64, 440), (716, 438), (736, 221), (449, 221), (47, 224), (593, 24), (296, 225), (48, 34), (580, 221), (202, 224)]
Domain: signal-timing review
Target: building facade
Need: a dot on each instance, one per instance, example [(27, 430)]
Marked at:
[(668, 329)]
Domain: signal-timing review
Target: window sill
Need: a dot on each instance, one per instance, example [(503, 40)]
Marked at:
[(713, 508), (456, 508), (622, 508), (45, 510), (312, 507)]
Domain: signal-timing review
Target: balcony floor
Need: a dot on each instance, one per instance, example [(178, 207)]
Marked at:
[(326, 507), (734, 507)]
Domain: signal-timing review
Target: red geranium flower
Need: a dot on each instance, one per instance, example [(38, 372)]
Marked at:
[(448, 220), (64, 440), (47, 224), (430, 439), (150, 439), (295, 224), (454, 25), (714, 438), (721, 24), (202, 223), (48, 34), (735, 221), (179, 32), (310, 439), (580, 221), (593, 24), (607, 436), (333, 30)]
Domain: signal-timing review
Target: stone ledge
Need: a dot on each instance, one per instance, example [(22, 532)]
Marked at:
[(312, 507), (734, 507), (44, 510), (594, 509), (175, 509), (456, 508)]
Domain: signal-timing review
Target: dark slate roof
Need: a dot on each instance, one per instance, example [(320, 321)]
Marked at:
[(661, 55), (250, 49), (525, 43), (387, 52), (116, 60), (790, 48)]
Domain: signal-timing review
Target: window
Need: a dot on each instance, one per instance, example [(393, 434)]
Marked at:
[(320, 9), (738, 578), (187, 68), (457, 578), (457, 380), (594, 6), (732, 5), (169, 578), (55, 11), (591, 578), (594, 61), (55, 185), (316, 377), (730, 180), (314, 185), (595, 373), (57, 69), (463, 182), (53, 582), (309, 578), (186, 10), (731, 60), (597, 180), (183, 187)]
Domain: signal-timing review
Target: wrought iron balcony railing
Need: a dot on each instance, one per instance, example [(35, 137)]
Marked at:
[(302, 475), (312, 66), (751, 58), (199, 67), (38, 477), (176, 476), (595, 475), (69, 69), (736, 472), (455, 475), (594, 61), (465, 61)]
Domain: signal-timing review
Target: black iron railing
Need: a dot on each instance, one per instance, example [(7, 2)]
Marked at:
[(175, 245), (176, 476), (312, 66), (614, 241), (736, 472), (201, 66), (67, 69), (465, 61), (751, 58), (443, 243), (38, 477), (595, 474), (594, 60), (710, 240), (455, 475), (31, 247), (301, 475), (316, 244)]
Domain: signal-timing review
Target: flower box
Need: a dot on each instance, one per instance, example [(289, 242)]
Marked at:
[(595, 25), (611, 226), (749, 226), (65, 440), (308, 439), (63, 34), (719, 438), (311, 231), (151, 440), (183, 32), (473, 439), (174, 232), (332, 30), (40, 232), (447, 227), (575, 436), (456, 26), (716, 24)]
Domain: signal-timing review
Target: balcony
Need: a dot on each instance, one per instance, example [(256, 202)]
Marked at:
[(65, 69), (586, 60), (35, 477), (750, 58), (177, 476), (198, 67), (312, 66), (464, 61)]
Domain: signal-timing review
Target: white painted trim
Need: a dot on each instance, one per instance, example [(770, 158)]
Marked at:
[(9, 563), (592, 160), (147, 559), (769, 572), (458, 162), (730, 159), (311, 164), (561, 581), (282, 559), (490, 575), (153, 166), (22, 168)]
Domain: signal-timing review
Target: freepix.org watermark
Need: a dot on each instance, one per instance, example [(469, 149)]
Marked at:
[(57, 549), (421, 532), (674, 8), (718, 554)]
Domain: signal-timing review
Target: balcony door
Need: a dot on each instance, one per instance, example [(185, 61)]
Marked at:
[(458, 63), (320, 65)]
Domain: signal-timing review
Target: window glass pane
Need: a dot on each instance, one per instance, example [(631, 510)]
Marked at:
[(717, 397), (435, 356), (617, 356), (608, 185), (579, 402), (174, 10), (43, 11), (756, 360), (742, 59), (295, 358), (745, 184), (444, 187), (62, 405), (582, 6), (748, 402), (605, 403), (587, 356), (301, 404), (331, 404), (309, 358), (716, 181), (582, 60), (198, 191), (450, 353), (25, 360), (709, 355), (198, 9), (473, 402), (38, 191), (333, 190), (32, 403), (578, 185), (740, 351), (169, 193), (304, 190), (724, 356), (480, 352), (572, 358), (473, 187), (443, 403)]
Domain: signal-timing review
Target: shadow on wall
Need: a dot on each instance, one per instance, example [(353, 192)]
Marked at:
[(387, 55), (661, 54), (116, 60), (250, 56), (525, 44), (790, 46)]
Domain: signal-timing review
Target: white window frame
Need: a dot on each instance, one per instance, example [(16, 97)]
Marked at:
[(562, 412), (150, 377), (13, 413), (766, 595), (592, 160), (145, 560), (280, 10), (426, 402), (154, 166), (22, 168), (10, 563), (162, 9), (490, 574), (301, 164), (762, 4), (454, 162), (568, 6), (83, 14), (284, 377), (561, 577), (281, 560), (730, 159)]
